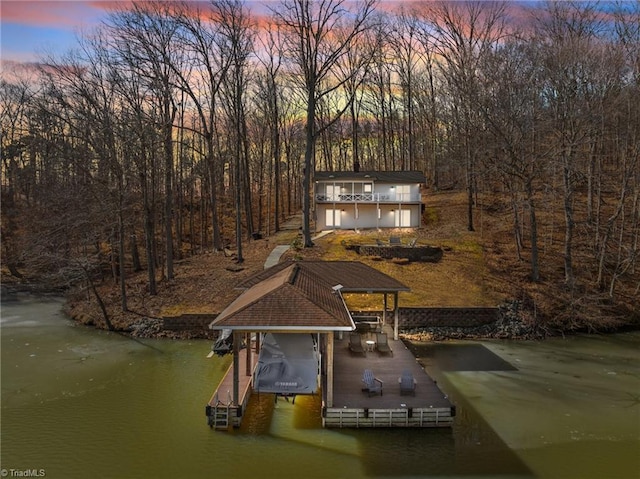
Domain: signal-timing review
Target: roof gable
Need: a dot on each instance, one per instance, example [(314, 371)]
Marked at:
[(290, 299)]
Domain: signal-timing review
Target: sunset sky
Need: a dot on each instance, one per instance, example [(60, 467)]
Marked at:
[(30, 29), (33, 28)]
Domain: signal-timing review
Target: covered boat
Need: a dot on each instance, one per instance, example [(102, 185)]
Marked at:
[(288, 364)]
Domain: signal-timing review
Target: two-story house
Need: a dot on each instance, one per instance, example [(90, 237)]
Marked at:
[(368, 199)]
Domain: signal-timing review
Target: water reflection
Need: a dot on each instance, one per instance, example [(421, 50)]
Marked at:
[(84, 403)]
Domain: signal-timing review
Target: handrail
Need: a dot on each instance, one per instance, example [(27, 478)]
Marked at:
[(369, 198)]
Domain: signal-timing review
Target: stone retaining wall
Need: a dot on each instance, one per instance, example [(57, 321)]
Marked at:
[(408, 318), (187, 322), (446, 317), (427, 254), (411, 318)]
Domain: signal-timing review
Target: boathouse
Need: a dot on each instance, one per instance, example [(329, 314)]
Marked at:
[(291, 332)]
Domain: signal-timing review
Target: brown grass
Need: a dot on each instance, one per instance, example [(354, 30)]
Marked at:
[(477, 269)]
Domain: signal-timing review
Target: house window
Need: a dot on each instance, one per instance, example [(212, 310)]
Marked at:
[(403, 192), (402, 218), (332, 217), (333, 192)]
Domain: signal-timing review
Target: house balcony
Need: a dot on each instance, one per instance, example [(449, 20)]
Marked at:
[(369, 198)]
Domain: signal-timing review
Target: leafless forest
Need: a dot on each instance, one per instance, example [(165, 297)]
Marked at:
[(179, 128)]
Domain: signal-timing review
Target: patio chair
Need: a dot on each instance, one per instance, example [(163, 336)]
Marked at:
[(413, 242), (363, 327), (407, 383), (355, 344), (372, 385), (382, 344)]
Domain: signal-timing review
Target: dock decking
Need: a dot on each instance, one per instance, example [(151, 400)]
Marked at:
[(353, 408), (221, 412)]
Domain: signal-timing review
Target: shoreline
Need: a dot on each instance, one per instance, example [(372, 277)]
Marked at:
[(509, 326)]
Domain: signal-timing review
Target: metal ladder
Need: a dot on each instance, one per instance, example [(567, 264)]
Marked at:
[(219, 414)]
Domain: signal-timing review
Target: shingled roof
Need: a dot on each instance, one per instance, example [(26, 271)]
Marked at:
[(355, 277), (381, 176), (291, 299), (300, 296)]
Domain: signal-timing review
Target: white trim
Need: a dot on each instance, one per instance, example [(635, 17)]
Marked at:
[(257, 328)]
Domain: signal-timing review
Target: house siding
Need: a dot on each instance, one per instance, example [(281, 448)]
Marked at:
[(342, 201)]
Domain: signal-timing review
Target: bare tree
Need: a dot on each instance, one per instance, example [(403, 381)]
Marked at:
[(146, 36), (314, 50), (405, 41), (510, 104), (566, 35), (236, 29), (380, 99), (272, 63), (463, 33), (200, 36)]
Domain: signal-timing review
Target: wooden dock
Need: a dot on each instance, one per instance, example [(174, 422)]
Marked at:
[(220, 410), (352, 407)]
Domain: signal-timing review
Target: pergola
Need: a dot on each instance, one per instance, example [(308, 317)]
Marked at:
[(302, 297)]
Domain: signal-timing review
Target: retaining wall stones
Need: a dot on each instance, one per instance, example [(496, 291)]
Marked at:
[(188, 322), (426, 324), (507, 323), (423, 323), (409, 318), (449, 317), (428, 254)]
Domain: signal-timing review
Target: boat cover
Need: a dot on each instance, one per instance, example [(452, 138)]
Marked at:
[(224, 343), (288, 364)]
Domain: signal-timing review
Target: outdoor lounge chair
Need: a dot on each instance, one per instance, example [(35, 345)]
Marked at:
[(382, 344), (407, 383), (355, 344), (413, 242), (372, 385)]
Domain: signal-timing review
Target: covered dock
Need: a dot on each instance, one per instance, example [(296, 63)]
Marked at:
[(306, 298), (352, 407)]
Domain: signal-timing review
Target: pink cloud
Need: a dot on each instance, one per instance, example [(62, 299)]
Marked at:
[(57, 14)]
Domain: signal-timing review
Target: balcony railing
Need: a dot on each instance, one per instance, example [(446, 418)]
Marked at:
[(368, 198)]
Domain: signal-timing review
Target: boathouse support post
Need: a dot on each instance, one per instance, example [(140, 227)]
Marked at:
[(249, 366), (329, 356), (236, 367), (384, 308), (396, 318)]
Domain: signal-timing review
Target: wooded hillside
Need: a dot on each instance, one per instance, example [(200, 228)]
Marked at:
[(177, 130)]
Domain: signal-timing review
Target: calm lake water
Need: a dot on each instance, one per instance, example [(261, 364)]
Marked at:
[(80, 403)]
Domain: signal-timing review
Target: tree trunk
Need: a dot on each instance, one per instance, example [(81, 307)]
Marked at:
[(101, 304), (569, 223), (276, 160), (121, 260), (308, 163), (168, 185), (135, 253), (535, 268), (148, 238)]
